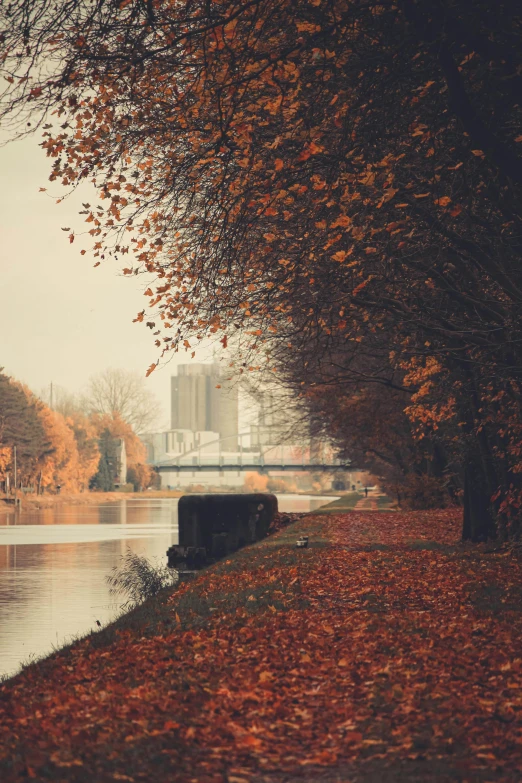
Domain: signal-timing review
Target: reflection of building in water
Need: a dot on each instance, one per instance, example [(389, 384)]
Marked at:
[(203, 400)]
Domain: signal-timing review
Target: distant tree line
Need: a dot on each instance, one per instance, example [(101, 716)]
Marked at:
[(57, 452)]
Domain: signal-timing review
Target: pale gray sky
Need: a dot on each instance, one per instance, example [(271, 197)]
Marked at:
[(61, 320)]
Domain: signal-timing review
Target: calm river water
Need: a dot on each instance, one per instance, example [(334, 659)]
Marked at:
[(54, 563)]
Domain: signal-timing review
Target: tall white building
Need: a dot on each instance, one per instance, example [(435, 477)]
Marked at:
[(203, 400)]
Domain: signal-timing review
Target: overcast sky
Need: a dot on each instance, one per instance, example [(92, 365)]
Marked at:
[(61, 319)]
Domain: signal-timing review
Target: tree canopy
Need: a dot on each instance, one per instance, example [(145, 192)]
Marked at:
[(21, 427), (122, 393), (343, 173), (71, 452)]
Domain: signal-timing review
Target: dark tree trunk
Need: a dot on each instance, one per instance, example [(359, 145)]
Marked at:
[(438, 462), (478, 521)]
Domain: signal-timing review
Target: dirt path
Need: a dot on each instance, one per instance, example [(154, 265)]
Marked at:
[(385, 651), (366, 504)]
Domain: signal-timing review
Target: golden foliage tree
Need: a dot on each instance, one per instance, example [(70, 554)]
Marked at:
[(60, 467), (135, 449), (86, 438)]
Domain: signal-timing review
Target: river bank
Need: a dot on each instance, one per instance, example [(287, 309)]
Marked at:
[(54, 562), (385, 651), (37, 502)]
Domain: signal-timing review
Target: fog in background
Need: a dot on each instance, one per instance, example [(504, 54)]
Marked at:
[(62, 320)]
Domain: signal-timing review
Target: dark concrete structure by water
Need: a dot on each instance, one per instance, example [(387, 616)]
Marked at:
[(211, 526)]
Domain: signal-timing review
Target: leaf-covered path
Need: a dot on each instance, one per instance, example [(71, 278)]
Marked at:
[(385, 651)]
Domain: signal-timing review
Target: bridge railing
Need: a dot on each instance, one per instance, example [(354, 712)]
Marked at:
[(245, 456), (250, 459)]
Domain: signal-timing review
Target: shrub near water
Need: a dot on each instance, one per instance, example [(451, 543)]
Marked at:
[(138, 579)]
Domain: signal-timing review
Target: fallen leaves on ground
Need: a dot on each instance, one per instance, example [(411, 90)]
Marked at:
[(383, 642)]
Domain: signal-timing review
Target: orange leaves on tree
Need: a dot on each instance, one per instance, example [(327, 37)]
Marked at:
[(343, 221), (341, 255), (308, 150), (269, 124)]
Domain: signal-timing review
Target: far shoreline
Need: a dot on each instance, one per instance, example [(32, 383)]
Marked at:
[(39, 502), (31, 502)]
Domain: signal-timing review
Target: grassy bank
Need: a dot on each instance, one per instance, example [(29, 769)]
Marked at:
[(386, 651), (350, 500)]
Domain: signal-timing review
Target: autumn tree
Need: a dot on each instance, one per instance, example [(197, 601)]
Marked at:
[(52, 450), (86, 439), (104, 477), (123, 394), (355, 163), (59, 468), (353, 395), (61, 400), (114, 427), (21, 427)]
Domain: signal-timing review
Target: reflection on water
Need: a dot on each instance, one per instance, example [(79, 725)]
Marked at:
[(299, 504), (53, 565)]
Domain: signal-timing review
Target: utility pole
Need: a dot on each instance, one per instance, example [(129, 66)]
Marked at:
[(15, 476)]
